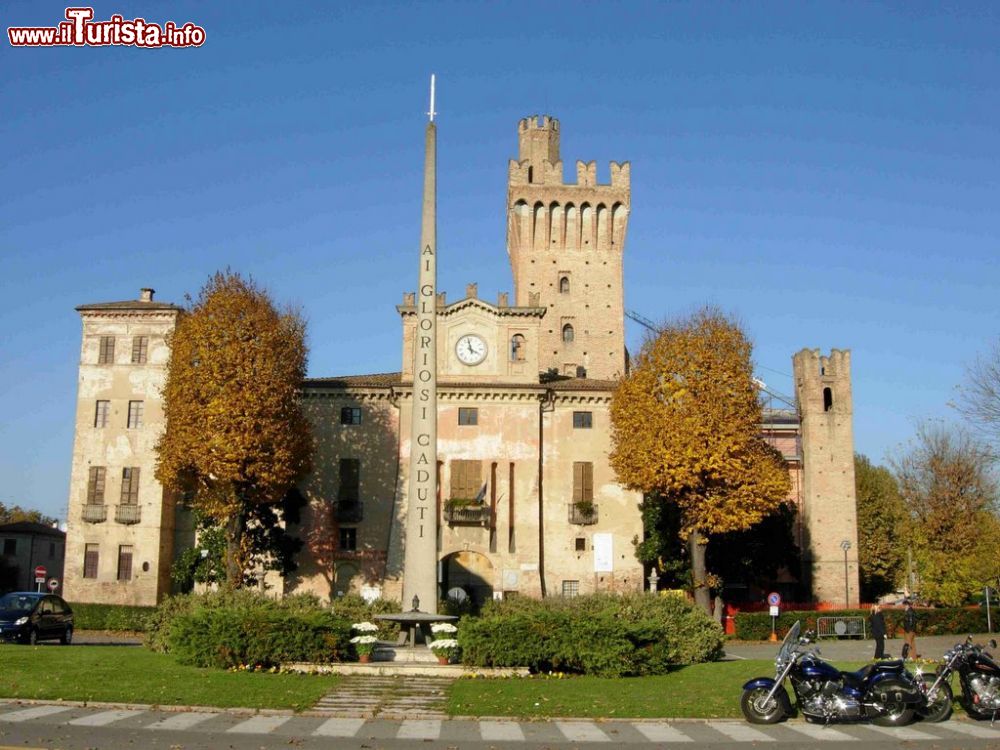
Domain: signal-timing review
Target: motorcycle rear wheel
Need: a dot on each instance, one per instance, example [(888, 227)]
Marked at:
[(940, 709), (758, 712), (898, 715)]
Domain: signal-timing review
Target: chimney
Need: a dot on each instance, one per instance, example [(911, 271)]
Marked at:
[(146, 294), (471, 291)]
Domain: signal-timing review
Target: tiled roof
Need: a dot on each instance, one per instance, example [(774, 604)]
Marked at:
[(132, 304), (30, 527), (390, 379)]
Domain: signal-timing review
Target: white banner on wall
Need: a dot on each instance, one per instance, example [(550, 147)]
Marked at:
[(603, 557)]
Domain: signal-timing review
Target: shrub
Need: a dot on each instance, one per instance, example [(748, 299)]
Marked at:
[(263, 637), (353, 608), (111, 617), (605, 635), (756, 626)]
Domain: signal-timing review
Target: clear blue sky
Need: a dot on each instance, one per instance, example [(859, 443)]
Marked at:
[(827, 171)]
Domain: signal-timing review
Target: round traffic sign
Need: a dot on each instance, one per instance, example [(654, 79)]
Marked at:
[(53, 584), (774, 599), (40, 573)]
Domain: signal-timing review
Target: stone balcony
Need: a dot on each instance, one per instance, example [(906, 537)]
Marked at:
[(582, 517), (94, 513), (128, 514), (467, 515)]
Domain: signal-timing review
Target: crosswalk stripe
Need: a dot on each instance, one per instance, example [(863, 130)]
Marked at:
[(741, 732), (972, 730), (419, 729), (339, 727), (661, 733), (34, 713), (180, 722), (902, 733), (103, 718), (582, 731), (501, 731), (259, 725), (819, 732)]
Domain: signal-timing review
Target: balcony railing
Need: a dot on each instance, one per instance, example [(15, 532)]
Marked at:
[(94, 513), (128, 514), (467, 515), (582, 517), (348, 512)]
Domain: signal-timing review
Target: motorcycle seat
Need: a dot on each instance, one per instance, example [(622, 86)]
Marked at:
[(857, 679)]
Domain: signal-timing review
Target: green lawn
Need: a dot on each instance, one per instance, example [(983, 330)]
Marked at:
[(135, 675), (705, 691)]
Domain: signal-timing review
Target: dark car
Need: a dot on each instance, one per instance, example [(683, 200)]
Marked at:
[(30, 617)]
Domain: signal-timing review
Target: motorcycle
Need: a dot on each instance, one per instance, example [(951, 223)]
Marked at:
[(979, 675), (884, 692)]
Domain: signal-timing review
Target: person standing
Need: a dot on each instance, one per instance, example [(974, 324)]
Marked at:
[(910, 631), (877, 623)]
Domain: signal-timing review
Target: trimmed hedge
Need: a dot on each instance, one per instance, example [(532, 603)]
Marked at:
[(756, 626), (259, 632), (604, 635), (111, 617)]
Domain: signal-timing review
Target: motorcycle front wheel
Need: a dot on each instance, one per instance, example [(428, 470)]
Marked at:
[(758, 710), (940, 709)]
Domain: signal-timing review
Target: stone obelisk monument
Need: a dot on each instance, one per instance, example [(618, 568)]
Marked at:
[(420, 541)]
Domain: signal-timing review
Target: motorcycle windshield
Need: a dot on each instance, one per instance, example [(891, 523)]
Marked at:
[(790, 642)]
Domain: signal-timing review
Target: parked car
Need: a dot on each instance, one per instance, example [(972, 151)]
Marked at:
[(30, 617)]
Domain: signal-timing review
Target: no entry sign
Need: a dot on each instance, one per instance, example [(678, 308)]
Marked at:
[(40, 573)]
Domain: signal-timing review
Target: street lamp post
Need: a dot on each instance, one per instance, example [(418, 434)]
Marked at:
[(846, 545)]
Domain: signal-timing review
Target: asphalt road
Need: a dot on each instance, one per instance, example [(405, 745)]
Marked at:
[(78, 728), (834, 649)]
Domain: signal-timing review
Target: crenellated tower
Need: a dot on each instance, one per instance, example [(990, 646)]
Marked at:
[(829, 505), (565, 243)]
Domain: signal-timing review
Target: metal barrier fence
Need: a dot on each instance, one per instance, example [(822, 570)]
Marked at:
[(840, 627)]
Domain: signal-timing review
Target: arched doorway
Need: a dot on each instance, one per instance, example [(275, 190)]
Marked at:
[(471, 572)]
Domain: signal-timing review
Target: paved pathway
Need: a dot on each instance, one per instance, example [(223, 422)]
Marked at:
[(387, 697), (422, 727)]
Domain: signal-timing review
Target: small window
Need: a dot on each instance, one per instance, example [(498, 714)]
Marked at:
[(101, 413), (517, 353), (90, 560), (350, 415), (140, 345), (564, 285), (349, 539), (567, 334), (581, 544), (583, 420), (468, 416), (570, 588), (135, 410), (130, 486), (107, 353), (827, 399), (125, 562), (350, 481), (95, 486), (10, 547)]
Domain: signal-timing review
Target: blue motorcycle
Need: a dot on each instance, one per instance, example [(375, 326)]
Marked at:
[(883, 693)]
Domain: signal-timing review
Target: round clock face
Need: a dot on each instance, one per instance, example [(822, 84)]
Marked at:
[(470, 349)]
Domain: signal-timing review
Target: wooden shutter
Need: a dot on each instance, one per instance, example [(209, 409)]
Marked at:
[(583, 481)]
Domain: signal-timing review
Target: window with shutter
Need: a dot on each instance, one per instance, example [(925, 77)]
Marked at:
[(107, 352), (130, 485), (350, 480), (466, 479), (90, 559), (95, 486), (125, 562), (583, 482), (140, 345)]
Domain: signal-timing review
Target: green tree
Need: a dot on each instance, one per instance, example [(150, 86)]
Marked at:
[(951, 496), (17, 514), (686, 429), (881, 529), (236, 439)]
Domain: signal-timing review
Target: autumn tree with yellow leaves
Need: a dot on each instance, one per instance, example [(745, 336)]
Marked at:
[(236, 439), (686, 431)]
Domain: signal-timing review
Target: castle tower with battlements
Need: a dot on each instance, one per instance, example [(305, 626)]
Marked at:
[(565, 242)]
